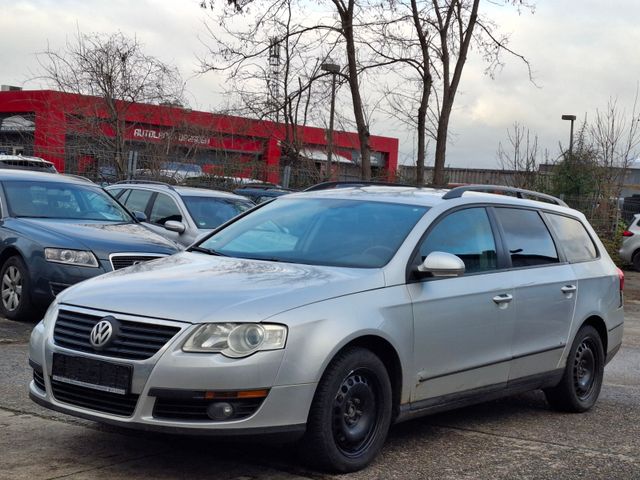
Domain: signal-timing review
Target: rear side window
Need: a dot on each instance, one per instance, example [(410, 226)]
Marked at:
[(528, 241), (137, 200), (164, 209), (578, 245), (467, 234)]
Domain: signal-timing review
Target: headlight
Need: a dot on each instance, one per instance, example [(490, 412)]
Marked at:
[(83, 258), (52, 313), (236, 339)]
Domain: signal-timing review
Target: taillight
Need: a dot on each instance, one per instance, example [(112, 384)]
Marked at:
[(621, 277), (627, 233)]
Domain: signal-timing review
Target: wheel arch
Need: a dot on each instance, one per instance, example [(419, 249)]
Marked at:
[(9, 252), (387, 353), (601, 327)]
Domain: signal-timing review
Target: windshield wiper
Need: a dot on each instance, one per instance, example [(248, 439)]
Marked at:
[(208, 251)]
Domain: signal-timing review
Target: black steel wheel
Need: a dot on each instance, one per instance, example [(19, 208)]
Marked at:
[(581, 382), (636, 261), (15, 296), (351, 413)]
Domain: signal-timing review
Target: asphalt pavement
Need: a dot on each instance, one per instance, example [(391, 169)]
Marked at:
[(517, 437)]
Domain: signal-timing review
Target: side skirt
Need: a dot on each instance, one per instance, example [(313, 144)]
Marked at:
[(479, 395)]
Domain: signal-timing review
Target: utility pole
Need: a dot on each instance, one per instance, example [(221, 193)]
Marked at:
[(571, 118)]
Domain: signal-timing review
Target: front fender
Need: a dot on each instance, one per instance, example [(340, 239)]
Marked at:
[(317, 332)]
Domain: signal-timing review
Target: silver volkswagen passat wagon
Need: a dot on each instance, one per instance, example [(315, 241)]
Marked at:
[(330, 315)]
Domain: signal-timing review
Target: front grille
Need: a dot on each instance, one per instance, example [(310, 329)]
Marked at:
[(135, 340), (91, 399), (123, 261), (196, 409), (38, 379), (56, 288)]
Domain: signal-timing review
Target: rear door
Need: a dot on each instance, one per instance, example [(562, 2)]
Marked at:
[(463, 326), (545, 290)]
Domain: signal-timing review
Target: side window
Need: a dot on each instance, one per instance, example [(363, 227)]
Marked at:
[(138, 200), (164, 209), (528, 241), (578, 245), (467, 234), (116, 192)]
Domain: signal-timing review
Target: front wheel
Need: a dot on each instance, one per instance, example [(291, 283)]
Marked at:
[(581, 382), (350, 414)]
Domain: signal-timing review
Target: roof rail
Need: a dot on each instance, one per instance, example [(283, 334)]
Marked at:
[(519, 192), (352, 183), (152, 182)]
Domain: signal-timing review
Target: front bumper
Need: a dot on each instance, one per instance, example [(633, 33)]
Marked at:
[(49, 279), (283, 412)]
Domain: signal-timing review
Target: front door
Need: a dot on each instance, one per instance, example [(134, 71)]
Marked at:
[(463, 326)]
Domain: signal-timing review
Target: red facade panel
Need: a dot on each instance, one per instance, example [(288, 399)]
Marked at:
[(153, 123)]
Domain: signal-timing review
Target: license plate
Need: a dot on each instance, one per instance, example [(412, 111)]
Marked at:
[(90, 373)]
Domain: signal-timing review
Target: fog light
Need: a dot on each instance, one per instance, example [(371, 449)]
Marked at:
[(220, 411)]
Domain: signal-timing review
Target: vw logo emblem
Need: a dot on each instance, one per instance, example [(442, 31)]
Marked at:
[(101, 333)]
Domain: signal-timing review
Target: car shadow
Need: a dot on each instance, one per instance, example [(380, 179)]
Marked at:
[(188, 456)]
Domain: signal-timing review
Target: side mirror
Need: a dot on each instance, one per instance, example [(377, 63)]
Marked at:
[(139, 216), (174, 226), (442, 264)]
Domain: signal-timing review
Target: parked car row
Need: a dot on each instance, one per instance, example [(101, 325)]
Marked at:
[(58, 230)]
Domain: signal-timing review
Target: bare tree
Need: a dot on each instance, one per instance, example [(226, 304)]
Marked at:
[(460, 26), (520, 156), (116, 73), (317, 37), (615, 136), (270, 60), (426, 43)]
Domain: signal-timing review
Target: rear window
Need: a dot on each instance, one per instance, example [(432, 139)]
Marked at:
[(578, 245), (528, 240)]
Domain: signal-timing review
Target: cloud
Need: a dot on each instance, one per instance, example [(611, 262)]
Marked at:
[(581, 55)]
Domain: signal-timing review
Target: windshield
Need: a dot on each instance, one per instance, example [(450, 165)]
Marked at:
[(62, 201), (211, 212), (346, 233)]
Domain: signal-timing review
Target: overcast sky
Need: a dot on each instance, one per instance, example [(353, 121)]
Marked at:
[(582, 52)]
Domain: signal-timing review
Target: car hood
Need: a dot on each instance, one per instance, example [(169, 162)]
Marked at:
[(196, 287), (102, 238)]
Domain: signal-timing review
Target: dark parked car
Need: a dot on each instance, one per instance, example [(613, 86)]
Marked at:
[(57, 231), (261, 192)]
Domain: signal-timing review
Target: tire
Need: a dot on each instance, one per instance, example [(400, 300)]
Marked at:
[(350, 414), (636, 261), (580, 386), (15, 293)]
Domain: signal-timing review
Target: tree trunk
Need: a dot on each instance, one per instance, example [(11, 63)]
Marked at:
[(422, 127), (441, 144), (358, 109), (450, 87), (427, 84)]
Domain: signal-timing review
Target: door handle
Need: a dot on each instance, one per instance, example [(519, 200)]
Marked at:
[(502, 299), (568, 289)]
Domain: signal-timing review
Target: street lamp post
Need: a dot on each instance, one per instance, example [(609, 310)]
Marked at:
[(333, 69), (571, 118)]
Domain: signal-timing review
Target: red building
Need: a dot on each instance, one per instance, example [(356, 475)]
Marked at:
[(70, 130)]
